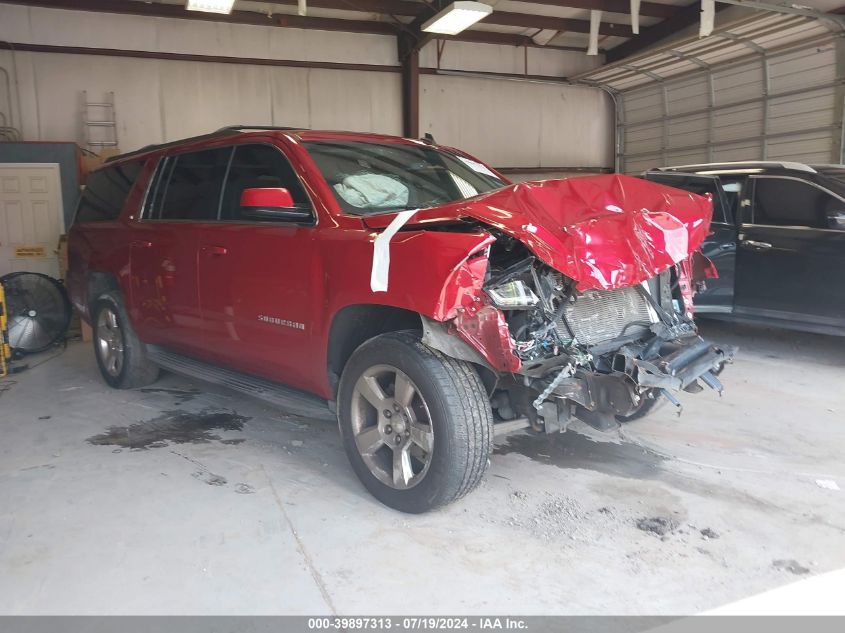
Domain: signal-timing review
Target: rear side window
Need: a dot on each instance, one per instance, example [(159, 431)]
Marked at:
[(106, 192), (787, 202), (258, 166), (189, 186)]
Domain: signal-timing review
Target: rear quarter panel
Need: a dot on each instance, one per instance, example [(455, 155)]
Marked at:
[(103, 247)]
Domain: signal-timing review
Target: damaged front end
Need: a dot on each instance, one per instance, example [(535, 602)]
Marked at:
[(599, 355), (599, 328)]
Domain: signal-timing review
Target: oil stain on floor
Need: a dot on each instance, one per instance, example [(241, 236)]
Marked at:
[(573, 450), (172, 427)]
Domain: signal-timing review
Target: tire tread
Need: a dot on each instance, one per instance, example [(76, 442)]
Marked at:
[(464, 398)]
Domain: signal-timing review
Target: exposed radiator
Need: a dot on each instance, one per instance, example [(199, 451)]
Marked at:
[(601, 315)]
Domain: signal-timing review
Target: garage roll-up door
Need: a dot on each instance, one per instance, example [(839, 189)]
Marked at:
[(767, 88), (774, 108)]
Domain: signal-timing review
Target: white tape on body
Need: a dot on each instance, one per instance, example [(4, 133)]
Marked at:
[(381, 251)]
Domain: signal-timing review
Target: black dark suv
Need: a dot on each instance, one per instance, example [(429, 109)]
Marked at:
[(777, 240)]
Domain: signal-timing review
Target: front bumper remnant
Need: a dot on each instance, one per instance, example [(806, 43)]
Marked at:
[(681, 368), (599, 397)]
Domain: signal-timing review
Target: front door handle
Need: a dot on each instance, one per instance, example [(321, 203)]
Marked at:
[(760, 246), (214, 250), (141, 243)]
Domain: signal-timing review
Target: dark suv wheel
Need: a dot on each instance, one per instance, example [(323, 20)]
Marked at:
[(416, 425), (650, 402), (121, 356)]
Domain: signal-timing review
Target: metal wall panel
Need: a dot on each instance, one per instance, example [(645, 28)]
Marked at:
[(158, 101), (509, 123), (776, 105), (518, 124)]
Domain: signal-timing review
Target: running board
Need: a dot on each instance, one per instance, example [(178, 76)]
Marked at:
[(290, 400)]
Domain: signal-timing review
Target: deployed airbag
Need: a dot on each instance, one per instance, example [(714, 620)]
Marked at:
[(373, 191)]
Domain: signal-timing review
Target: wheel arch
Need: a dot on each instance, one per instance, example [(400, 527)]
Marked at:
[(354, 324), (98, 284)]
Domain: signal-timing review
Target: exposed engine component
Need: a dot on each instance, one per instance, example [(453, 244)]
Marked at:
[(597, 354), (548, 317), (603, 315)]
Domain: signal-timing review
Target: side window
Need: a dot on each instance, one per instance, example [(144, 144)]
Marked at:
[(189, 186), (700, 185), (106, 192), (786, 202), (258, 166)]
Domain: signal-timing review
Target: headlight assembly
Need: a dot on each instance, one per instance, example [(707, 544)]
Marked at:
[(512, 295)]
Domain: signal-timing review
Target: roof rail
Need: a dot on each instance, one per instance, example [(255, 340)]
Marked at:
[(223, 131), (748, 163), (259, 127)]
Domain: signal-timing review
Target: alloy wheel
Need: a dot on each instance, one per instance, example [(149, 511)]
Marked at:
[(391, 426), (110, 342)]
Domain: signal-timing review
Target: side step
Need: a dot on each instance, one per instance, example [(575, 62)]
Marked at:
[(290, 400)]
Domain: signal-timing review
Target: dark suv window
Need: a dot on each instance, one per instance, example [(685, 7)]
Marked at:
[(258, 166), (700, 185), (106, 192), (189, 186), (788, 202)]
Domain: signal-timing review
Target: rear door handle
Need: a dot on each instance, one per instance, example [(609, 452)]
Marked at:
[(760, 246), (141, 243), (214, 250)]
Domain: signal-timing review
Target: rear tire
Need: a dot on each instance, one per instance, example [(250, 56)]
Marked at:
[(428, 441), (121, 356)]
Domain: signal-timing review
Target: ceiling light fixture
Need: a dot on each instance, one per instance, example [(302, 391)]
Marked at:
[(457, 17), (210, 6)]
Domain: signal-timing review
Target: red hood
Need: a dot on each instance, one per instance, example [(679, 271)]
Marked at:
[(602, 231)]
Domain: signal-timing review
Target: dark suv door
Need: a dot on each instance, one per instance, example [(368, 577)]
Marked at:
[(791, 261), (720, 244)]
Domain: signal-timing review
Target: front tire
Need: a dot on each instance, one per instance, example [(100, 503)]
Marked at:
[(416, 425), (121, 356)]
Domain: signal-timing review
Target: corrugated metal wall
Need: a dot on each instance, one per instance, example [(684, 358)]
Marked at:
[(778, 106)]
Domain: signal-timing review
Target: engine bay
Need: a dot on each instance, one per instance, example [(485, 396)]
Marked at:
[(596, 354)]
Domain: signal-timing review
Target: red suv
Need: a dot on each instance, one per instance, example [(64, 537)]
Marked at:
[(404, 287)]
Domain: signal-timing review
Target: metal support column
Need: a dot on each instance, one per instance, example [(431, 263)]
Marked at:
[(711, 115), (838, 149), (767, 89), (409, 57)]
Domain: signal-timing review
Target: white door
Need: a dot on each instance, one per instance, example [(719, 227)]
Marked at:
[(31, 217)]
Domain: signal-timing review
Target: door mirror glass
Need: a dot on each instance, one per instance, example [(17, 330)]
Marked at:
[(272, 203), (836, 219)]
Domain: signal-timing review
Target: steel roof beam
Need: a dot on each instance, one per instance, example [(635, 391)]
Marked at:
[(406, 8)]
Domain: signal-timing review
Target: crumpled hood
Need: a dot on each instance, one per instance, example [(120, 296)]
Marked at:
[(604, 232)]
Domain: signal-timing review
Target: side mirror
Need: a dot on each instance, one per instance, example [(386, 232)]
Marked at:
[(836, 220), (272, 204)]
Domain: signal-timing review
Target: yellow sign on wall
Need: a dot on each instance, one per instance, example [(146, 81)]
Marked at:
[(30, 251)]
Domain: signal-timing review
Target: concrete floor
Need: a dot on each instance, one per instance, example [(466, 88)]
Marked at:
[(218, 504)]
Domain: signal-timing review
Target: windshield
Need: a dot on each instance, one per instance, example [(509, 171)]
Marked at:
[(369, 178)]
